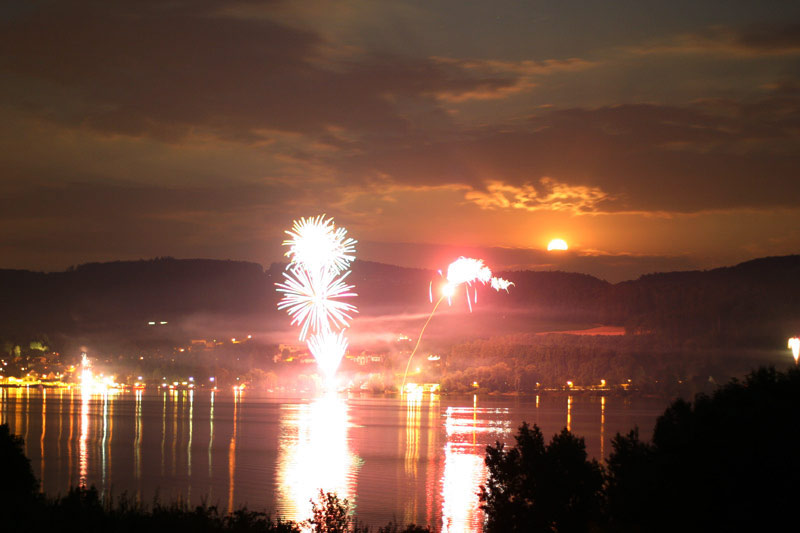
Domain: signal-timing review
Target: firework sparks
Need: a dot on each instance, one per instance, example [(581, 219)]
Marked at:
[(328, 349), (500, 284), (794, 345), (468, 270), (313, 288), (463, 271), (316, 244), (310, 298)]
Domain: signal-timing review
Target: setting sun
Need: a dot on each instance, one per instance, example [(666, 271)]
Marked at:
[(557, 244)]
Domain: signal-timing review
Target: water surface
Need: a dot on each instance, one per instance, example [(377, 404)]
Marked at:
[(417, 458)]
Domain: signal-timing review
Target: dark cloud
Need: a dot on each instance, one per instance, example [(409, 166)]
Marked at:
[(770, 38), (716, 154), (200, 128), (161, 71)]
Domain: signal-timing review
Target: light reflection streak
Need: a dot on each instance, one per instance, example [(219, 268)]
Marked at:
[(602, 427), (3, 409), (432, 473), (569, 413), (103, 443), (211, 438), (237, 396), (83, 456), (313, 454), (413, 408), (413, 412), (163, 432), (174, 400), (137, 441), (41, 441), (27, 420), (189, 444), (110, 437), (18, 415), (59, 458), (70, 455), (464, 467)]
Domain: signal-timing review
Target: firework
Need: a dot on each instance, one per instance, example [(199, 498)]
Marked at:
[(316, 244), (794, 345), (463, 271), (328, 349), (310, 298), (467, 270), (500, 284), (314, 285)]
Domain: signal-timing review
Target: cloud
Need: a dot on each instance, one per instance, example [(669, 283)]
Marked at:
[(496, 79), (758, 40), (169, 70), (550, 195), (712, 154)]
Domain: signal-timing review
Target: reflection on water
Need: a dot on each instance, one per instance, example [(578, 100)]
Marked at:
[(410, 449), (237, 398), (569, 413), (464, 469), (417, 458), (314, 453), (211, 434), (41, 440), (137, 442), (83, 455), (191, 431), (602, 426)]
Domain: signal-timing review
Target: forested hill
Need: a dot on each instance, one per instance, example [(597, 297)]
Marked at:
[(753, 302)]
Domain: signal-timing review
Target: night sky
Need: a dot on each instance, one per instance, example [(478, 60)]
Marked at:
[(649, 135)]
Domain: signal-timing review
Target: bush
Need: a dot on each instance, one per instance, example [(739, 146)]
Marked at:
[(533, 487), (18, 486)]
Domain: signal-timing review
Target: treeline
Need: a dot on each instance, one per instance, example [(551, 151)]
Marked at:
[(726, 462), (528, 363)]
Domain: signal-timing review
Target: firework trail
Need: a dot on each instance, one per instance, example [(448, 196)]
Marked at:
[(794, 345), (463, 271), (314, 283)]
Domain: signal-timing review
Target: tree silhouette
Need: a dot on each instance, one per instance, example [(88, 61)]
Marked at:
[(728, 462), (538, 487), (18, 486)]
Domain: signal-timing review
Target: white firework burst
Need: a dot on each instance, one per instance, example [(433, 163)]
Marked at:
[(500, 284), (316, 244), (312, 300), (467, 270), (328, 348)]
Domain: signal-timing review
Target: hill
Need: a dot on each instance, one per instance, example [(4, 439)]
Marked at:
[(752, 303)]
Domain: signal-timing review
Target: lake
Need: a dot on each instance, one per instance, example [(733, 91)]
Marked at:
[(416, 458)]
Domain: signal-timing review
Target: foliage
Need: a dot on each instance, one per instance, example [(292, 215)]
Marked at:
[(18, 486), (517, 363), (538, 487), (330, 514), (726, 462)]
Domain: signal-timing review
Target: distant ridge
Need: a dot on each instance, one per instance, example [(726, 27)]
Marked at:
[(751, 302)]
